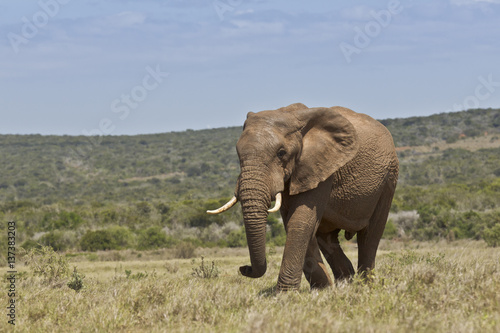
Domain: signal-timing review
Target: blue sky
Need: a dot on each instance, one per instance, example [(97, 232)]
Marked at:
[(135, 67)]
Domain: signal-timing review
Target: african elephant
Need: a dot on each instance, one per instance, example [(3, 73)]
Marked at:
[(328, 169)]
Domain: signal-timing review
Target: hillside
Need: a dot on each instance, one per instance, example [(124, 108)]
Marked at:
[(48, 169), (448, 127), (450, 165)]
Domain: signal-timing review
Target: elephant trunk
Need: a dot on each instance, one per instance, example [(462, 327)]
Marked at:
[(255, 199)]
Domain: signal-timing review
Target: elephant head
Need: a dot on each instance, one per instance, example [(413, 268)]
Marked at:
[(291, 149)]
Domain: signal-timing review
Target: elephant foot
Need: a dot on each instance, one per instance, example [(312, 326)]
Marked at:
[(343, 271), (280, 287), (319, 279)]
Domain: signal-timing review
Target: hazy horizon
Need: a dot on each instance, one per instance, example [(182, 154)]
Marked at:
[(204, 129)]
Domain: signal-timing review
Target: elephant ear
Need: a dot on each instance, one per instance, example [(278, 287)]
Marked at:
[(329, 141), (293, 107)]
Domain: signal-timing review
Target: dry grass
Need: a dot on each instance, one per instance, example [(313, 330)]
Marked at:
[(418, 287)]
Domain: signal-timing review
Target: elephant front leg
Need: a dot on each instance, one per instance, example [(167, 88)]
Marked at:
[(294, 254), (304, 213)]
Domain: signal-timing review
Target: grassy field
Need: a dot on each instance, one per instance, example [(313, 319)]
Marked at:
[(417, 287)]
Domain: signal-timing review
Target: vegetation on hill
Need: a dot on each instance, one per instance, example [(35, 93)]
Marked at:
[(449, 127), (151, 191)]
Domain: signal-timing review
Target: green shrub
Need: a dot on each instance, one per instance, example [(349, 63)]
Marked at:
[(108, 216), (47, 264), (58, 240), (163, 208), (76, 282), (98, 240), (277, 234), (136, 276), (153, 238), (237, 238), (466, 225), (143, 208), (112, 238), (492, 235), (62, 220), (390, 230), (30, 244), (123, 237)]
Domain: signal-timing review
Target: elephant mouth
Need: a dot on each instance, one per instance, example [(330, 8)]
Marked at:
[(234, 200)]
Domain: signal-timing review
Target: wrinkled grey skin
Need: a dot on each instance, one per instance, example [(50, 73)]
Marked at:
[(336, 170)]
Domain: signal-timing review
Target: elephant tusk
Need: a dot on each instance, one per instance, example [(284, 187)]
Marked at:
[(230, 204), (277, 205)]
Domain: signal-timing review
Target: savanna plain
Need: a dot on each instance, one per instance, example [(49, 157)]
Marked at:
[(417, 287), (111, 235)]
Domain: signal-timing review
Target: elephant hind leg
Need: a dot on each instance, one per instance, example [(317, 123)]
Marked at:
[(369, 237), (314, 268), (336, 258)]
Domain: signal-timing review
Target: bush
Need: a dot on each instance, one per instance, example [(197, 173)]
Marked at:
[(144, 208), (58, 240), (185, 250), (123, 237), (136, 276), (63, 220), (31, 244), (108, 216), (492, 235), (47, 264), (278, 234), (466, 225), (154, 238), (237, 238), (76, 282), (98, 240), (390, 230)]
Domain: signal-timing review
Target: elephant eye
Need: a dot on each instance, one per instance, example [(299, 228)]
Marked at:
[(281, 153)]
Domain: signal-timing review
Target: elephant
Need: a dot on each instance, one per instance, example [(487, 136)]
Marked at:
[(327, 169)]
